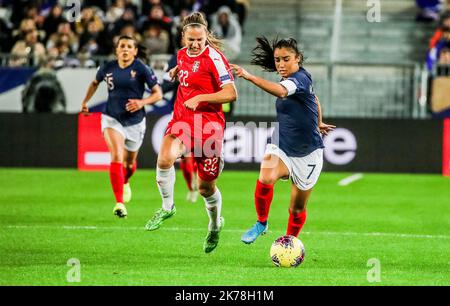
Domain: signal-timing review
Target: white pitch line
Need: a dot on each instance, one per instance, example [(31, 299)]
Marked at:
[(177, 229), (350, 179)]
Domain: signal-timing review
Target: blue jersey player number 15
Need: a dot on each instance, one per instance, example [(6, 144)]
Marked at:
[(123, 121)]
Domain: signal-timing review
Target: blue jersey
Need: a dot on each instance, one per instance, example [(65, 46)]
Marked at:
[(124, 84), (297, 117)]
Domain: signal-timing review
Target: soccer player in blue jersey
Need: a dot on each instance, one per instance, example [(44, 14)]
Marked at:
[(123, 121), (297, 140)]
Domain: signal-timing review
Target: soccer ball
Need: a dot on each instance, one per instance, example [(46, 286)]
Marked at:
[(287, 251)]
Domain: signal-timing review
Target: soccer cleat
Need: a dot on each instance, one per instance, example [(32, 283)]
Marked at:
[(212, 239), (157, 220), (126, 193), (192, 196), (257, 230), (120, 210)]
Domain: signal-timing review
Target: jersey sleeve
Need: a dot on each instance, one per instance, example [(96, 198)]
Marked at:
[(220, 68), (150, 77), (300, 85), (100, 73)]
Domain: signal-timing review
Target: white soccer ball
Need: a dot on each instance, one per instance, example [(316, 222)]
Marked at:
[(287, 251)]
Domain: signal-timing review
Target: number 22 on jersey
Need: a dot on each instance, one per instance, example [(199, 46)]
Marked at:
[(183, 75)]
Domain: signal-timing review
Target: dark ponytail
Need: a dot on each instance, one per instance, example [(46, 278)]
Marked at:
[(262, 54)]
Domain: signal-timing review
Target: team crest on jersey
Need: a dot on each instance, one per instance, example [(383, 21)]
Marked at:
[(196, 66), (133, 74)]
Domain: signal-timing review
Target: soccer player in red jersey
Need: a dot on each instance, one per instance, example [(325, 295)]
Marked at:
[(198, 124), (296, 151), (123, 121)]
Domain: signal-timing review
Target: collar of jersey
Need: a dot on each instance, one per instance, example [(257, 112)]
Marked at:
[(187, 52)]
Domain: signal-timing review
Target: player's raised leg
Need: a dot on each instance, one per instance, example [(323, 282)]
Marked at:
[(188, 168), (171, 149), (129, 167), (116, 143), (297, 210), (213, 204), (272, 169)]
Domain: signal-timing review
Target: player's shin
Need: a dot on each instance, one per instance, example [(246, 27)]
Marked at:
[(296, 222), (117, 180), (166, 183), (213, 206), (128, 171), (263, 199), (187, 169)]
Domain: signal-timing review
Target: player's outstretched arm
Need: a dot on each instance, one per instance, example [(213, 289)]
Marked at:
[(323, 127), (134, 105), (226, 95), (90, 92), (273, 88)]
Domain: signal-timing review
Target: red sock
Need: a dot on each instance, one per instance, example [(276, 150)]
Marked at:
[(127, 172), (187, 167), (296, 222), (117, 179), (263, 199)]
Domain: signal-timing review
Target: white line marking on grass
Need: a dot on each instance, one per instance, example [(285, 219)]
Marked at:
[(178, 229), (350, 179)]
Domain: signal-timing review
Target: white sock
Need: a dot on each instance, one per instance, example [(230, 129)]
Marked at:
[(165, 179), (213, 206)]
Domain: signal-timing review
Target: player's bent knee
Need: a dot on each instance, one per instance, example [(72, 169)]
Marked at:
[(206, 190), (165, 163)]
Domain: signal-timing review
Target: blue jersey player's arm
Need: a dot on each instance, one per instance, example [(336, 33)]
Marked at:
[(92, 89), (150, 79), (273, 88)]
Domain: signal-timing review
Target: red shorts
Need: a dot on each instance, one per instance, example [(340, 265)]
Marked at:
[(205, 145)]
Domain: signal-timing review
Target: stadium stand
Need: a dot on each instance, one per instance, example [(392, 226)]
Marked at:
[(360, 68)]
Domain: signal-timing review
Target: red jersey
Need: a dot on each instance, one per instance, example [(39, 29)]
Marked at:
[(201, 131), (205, 73)]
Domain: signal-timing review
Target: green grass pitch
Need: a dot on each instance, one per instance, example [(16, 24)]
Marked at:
[(50, 216)]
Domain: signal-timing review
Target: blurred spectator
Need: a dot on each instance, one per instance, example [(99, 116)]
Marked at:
[(161, 25), (444, 22), (101, 4), (212, 6), (18, 11), (444, 55), (127, 18), (129, 29), (64, 29), (225, 26), (88, 14), (242, 7), (430, 10), (147, 6), (156, 39), (115, 11), (27, 49), (5, 37), (95, 40), (433, 54), (53, 20), (43, 93)]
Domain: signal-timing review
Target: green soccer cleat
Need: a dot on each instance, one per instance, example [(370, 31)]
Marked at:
[(126, 193), (120, 210), (157, 220), (212, 239)]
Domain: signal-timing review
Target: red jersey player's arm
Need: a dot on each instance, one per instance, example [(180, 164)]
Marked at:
[(226, 95)]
